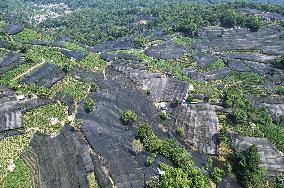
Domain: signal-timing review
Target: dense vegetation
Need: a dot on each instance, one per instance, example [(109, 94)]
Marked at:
[(247, 168), (128, 117), (185, 173), (102, 22), (20, 177), (244, 114), (97, 26)]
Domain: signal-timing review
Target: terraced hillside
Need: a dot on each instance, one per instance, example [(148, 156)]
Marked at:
[(162, 105)]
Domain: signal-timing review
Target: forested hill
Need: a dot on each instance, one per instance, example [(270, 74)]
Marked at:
[(278, 2), (126, 3), (101, 21), (98, 2)]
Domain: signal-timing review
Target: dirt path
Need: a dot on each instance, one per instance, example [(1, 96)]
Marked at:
[(29, 70)]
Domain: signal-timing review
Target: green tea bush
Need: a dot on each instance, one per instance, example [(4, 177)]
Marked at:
[(89, 105), (128, 117), (217, 175)]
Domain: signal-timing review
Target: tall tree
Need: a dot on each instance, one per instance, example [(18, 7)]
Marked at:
[(247, 168)]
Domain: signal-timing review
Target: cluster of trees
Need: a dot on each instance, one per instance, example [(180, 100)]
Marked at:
[(217, 175), (99, 21), (89, 104), (185, 173), (128, 117), (247, 168), (271, 6), (231, 19), (245, 114)]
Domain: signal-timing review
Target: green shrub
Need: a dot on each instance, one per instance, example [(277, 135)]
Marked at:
[(29, 90), (217, 175), (152, 143), (140, 41), (137, 146), (163, 115), (128, 117), (253, 23), (94, 87), (174, 177), (216, 65), (89, 104), (92, 182), (244, 78), (209, 163), (279, 180), (154, 182), (244, 115), (224, 136), (143, 131), (279, 89), (282, 23), (184, 40), (148, 92), (38, 54), (151, 159), (180, 132), (234, 97), (207, 88), (27, 35), (73, 46), (189, 99), (177, 102)]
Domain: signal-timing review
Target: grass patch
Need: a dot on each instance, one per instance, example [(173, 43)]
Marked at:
[(41, 117), (275, 134), (92, 182), (163, 66), (249, 82), (3, 52), (173, 66), (207, 88), (279, 89), (51, 55), (20, 177), (250, 130), (184, 40), (32, 89), (28, 35), (74, 47), (11, 148), (93, 62), (71, 87), (241, 78), (3, 24), (219, 64), (7, 77)]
